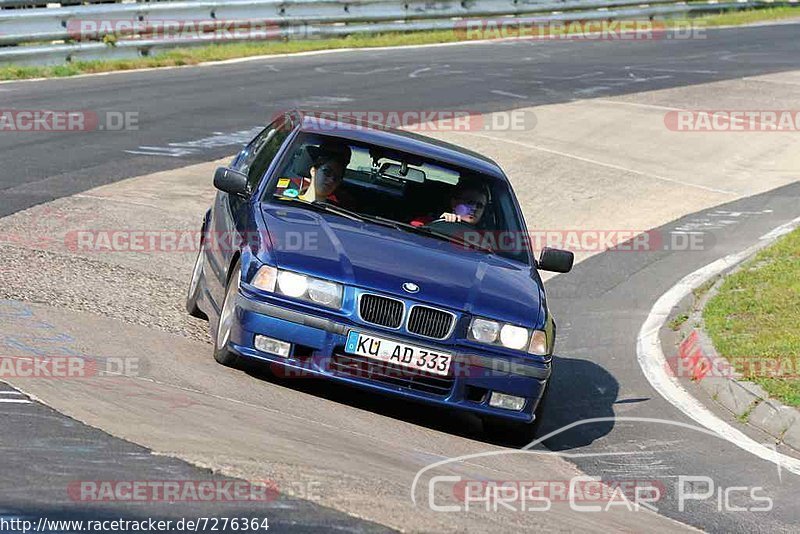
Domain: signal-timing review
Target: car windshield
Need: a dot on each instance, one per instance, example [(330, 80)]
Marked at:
[(414, 194)]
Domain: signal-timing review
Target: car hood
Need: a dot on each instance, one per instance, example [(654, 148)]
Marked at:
[(383, 259)]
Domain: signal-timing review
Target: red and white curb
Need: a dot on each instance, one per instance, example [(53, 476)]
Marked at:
[(654, 363)]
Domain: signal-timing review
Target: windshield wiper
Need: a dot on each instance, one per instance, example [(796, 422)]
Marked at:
[(376, 219), (327, 208), (424, 230)]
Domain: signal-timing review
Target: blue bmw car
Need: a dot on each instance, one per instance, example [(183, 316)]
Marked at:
[(380, 259)]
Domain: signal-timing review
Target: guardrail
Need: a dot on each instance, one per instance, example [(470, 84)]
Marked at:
[(32, 32)]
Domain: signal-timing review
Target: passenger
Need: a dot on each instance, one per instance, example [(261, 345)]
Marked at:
[(327, 174)]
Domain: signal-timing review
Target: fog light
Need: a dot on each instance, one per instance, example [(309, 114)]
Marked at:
[(273, 346), (506, 402)]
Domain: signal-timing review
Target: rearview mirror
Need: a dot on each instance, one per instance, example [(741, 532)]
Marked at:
[(556, 260), (402, 172), (231, 181)]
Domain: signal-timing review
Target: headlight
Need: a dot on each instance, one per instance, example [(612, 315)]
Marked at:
[(508, 335), (324, 292), (484, 331), (292, 284), (299, 286), (514, 337)]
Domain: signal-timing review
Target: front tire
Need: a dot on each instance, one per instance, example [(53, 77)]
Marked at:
[(194, 288), (227, 315)]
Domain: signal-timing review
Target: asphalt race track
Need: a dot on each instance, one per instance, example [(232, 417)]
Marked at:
[(56, 451), (185, 105), (607, 300), (203, 422)]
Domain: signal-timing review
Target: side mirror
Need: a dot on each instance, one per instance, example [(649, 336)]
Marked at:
[(231, 181), (556, 260)]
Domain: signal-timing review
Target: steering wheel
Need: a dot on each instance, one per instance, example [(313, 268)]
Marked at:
[(450, 228)]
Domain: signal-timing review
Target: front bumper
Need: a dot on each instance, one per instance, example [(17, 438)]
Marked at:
[(318, 351)]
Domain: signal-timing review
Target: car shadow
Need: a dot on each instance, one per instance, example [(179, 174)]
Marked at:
[(579, 390)]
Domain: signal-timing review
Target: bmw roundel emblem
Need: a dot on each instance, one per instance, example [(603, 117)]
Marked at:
[(410, 287)]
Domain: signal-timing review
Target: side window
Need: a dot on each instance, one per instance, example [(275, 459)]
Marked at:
[(257, 157)]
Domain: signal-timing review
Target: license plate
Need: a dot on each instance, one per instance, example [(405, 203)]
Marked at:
[(385, 350)]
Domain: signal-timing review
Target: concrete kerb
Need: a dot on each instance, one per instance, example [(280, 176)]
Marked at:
[(746, 400)]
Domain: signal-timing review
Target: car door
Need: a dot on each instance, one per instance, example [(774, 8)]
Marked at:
[(230, 216)]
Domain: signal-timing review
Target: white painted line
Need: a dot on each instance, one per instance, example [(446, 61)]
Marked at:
[(604, 164), (161, 151), (589, 91), (633, 104), (765, 80), (641, 79), (419, 71), (654, 363), (125, 201), (10, 393), (677, 71), (576, 77), (311, 101), (370, 72), (15, 401), (506, 93)]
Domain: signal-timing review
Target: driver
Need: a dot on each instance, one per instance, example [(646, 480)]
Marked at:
[(467, 205), (327, 174)]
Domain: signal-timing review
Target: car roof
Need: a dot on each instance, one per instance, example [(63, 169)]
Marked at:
[(400, 140)]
